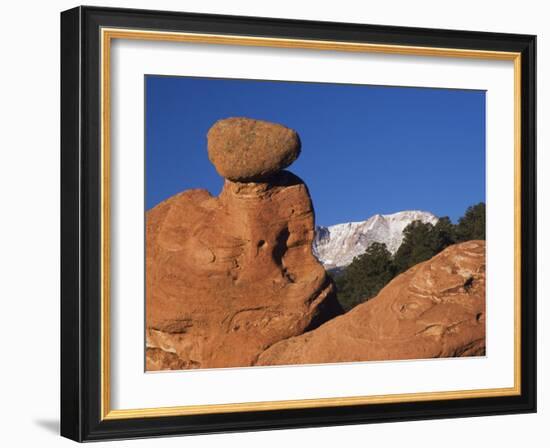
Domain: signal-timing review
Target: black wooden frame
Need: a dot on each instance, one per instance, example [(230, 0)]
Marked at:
[(80, 224)]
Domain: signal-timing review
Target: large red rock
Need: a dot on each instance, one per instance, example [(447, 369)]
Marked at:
[(228, 276), (435, 309)]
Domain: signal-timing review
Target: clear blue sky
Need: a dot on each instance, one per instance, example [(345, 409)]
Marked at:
[(365, 149)]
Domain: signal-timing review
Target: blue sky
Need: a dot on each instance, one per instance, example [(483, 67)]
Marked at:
[(365, 149)]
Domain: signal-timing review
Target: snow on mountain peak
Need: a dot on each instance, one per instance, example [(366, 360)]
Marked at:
[(336, 246)]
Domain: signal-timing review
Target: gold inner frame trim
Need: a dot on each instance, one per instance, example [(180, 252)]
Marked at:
[(107, 35)]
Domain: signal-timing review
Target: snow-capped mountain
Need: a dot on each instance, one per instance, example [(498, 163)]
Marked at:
[(336, 246)]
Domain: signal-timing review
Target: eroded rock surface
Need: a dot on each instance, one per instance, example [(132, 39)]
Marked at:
[(435, 309), (229, 276)]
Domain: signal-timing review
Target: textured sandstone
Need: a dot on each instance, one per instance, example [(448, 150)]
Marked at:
[(243, 149), (229, 276), (435, 309)]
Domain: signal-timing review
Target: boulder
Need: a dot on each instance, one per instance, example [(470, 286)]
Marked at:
[(435, 309), (243, 149)]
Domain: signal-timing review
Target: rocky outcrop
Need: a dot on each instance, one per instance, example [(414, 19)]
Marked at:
[(435, 309), (229, 276), (231, 281)]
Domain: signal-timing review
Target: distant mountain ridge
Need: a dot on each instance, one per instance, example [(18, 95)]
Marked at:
[(336, 246)]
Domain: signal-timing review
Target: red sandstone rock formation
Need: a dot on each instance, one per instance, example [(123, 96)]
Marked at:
[(228, 276), (231, 280), (242, 149), (435, 309)]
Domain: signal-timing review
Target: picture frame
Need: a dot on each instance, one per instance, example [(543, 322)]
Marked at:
[(86, 209)]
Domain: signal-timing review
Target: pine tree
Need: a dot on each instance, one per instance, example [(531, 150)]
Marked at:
[(444, 234), (418, 245), (365, 276), (472, 225)]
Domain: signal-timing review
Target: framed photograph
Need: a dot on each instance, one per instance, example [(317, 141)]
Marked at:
[(276, 224)]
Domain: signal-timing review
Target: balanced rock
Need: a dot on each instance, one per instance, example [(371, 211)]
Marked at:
[(435, 309), (244, 150), (228, 276)]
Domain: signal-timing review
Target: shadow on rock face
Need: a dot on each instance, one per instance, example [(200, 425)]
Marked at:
[(281, 179)]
